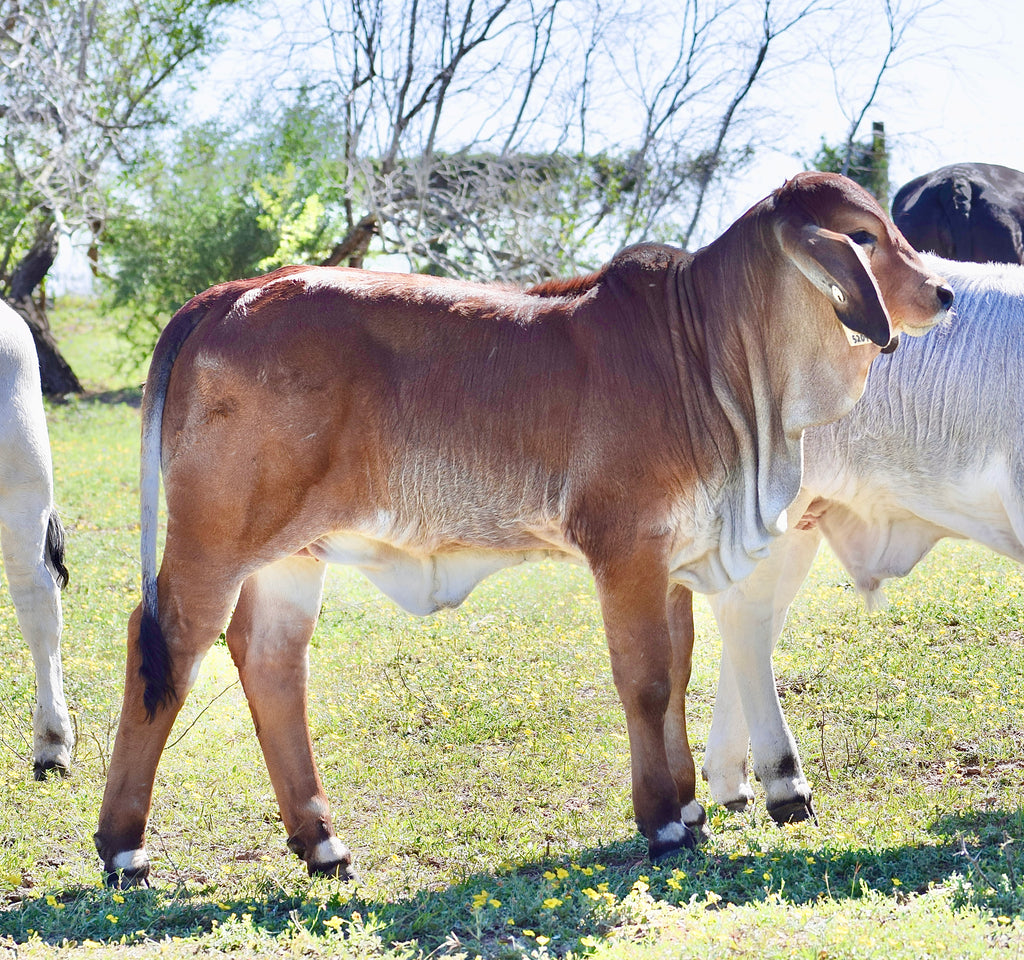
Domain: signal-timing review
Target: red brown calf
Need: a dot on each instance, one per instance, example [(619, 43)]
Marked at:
[(645, 420)]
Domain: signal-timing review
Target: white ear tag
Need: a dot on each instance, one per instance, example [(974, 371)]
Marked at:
[(853, 338)]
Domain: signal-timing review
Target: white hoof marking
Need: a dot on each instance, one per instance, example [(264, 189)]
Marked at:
[(330, 851), (671, 833), (693, 813), (130, 860)]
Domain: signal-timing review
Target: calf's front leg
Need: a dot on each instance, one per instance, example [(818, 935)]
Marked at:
[(632, 592), (677, 743)]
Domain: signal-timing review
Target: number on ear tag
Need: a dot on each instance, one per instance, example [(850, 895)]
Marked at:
[(855, 339)]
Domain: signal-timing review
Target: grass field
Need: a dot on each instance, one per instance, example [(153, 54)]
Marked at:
[(478, 766)]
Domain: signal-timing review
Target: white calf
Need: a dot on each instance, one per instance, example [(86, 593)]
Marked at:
[(935, 448), (32, 538)]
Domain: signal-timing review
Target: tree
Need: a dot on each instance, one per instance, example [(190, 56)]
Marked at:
[(409, 73), (515, 139), (866, 162), (79, 85), (432, 94), (219, 203), (888, 39)]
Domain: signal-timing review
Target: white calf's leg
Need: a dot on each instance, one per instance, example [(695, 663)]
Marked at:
[(36, 596), (725, 757), (750, 616)]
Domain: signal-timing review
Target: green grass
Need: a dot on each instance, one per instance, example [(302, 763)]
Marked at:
[(478, 766)]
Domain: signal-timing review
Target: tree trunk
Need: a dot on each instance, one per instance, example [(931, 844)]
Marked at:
[(880, 164), (58, 379), (353, 248)]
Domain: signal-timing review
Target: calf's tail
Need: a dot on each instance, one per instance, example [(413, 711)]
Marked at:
[(55, 549), (155, 657)]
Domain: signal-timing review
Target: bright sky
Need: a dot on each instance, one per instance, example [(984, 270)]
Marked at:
[(959, 100), (955, 97)]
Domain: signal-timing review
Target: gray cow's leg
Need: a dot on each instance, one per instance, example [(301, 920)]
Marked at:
[(750, 616)]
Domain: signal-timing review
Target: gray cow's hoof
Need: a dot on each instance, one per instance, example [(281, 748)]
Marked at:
[(792, 811), (41, 770)]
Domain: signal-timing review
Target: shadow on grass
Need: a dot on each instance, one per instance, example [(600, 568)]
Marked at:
[(563, 903), (130, 396)]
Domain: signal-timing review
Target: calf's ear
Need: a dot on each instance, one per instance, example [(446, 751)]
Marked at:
[(840, 270)]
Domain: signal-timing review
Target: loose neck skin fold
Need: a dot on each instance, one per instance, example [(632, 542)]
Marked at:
[(726, 318)]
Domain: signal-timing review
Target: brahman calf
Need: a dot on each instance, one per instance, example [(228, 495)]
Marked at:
[(646, 420), (32, 538), (934, 449)]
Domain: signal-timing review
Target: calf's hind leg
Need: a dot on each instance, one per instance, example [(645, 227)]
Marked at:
[(269, 638), (190, 628)]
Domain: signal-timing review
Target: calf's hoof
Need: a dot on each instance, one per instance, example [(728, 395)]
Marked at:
[(695, 819), (342, 869), (729, 786), (329, 858), (673, 838), (129, 869), (125, 879), (792, 811)]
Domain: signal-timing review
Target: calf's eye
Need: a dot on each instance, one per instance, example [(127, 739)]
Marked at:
[(863, 238)]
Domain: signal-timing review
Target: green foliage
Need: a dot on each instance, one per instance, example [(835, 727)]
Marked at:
[(191, 227), (297, 220), (865, 162), (81, 87), (216, 205)]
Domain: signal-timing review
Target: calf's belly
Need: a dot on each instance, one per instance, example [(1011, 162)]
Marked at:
[(419, 582)]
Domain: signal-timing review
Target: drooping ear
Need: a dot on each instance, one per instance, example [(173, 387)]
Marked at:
[(840, 270)]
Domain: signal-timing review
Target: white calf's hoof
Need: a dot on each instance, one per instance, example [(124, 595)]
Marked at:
[(731, 789), (52, 742), (792, 811)]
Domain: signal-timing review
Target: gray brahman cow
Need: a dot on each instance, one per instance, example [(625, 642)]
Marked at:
[(934, 449)]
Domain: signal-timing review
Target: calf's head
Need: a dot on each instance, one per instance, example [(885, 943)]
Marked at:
[(840, 239), (843, 269)]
